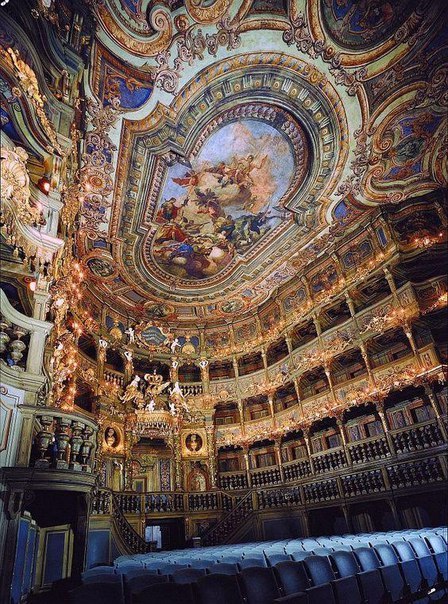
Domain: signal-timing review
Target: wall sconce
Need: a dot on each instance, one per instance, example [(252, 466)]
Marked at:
[(43, 184)]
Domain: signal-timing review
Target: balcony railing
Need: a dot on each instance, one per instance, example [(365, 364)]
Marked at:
[(22, 339), (63, 441)]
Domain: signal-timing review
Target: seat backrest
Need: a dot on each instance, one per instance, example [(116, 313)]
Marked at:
[(341, 547), (367, 558), (319, 569), (165, 593), (386, 553), (201, 563), (230, 559), (135, 572), (437, 544), (99, 570), (322, 551), (249, 562), (260, 585), (345, 563), (420, 547), (404, 550), (224, 568), (292, 577), (299, 555), (273, 559), (102, 579), (219, 589), (138, 584), (188, 575), (310, 546), (100, 593)]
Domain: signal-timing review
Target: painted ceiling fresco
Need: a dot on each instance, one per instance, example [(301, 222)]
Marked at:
[(225, 203), (229, 140)]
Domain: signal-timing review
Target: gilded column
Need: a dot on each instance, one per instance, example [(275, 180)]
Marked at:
[(434, 404), (341, 427), (278, 455), (211, 454), (205, 375), (382, 415)]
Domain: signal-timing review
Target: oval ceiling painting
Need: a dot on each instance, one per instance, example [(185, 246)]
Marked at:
[(228, 199)]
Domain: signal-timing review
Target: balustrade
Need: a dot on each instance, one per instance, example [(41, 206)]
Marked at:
[(193, 389), (328, 462), (22, 338), (363, 483), (263, 478), (129, 503), (321, 491), (369, 450), (63, 441), (203, 501), (235, 481), (163, 502), (228, 502), (114, 377), (101, 503), (296, 470), (415, 473), (417, 437), (14, 341), (277, 498)]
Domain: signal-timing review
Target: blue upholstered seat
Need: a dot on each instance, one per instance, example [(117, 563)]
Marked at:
[(219, 589), (260, 585)]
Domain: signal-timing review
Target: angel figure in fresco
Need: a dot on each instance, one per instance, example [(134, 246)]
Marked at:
[(169, 210)]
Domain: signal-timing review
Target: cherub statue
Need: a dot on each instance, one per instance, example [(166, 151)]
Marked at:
[(175, 344), (128, 355), (151, 405), (130, 331), (172, 407)]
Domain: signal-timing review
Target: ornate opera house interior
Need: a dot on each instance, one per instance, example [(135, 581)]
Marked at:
[(223, 345)]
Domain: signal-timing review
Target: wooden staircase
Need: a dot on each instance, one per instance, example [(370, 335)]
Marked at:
[(231, 523), (131, 542)]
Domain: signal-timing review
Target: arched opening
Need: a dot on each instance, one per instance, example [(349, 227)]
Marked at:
[(189, 372), (250, 363)]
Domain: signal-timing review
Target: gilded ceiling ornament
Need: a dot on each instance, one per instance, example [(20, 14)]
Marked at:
[(150, 45), (97, 167), (191, 46), (30, 87), (299, 34), (206, 12), (15, 186)]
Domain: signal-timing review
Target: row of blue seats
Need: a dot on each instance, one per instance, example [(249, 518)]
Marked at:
[(267, 553), (407, 570)]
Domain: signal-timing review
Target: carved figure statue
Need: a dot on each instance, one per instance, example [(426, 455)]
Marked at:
[(130, 331), (174, 345), (176, 390)]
